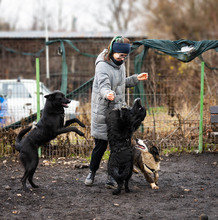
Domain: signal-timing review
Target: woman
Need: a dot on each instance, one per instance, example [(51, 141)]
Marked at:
[(108, 91)]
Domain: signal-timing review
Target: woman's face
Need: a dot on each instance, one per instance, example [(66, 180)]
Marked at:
[(120, 56)]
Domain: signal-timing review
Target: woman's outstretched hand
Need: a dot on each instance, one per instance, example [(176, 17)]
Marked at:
[(110, 96), (142, 76)]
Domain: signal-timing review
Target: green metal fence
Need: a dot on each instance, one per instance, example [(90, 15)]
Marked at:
[(173, 114)]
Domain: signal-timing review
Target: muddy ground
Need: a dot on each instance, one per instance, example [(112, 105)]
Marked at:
[(188, 188)]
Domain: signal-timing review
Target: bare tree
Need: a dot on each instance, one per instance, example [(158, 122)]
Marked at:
[(39, 17), (190, 19), (6, 26), (54, 16), (123, 12)]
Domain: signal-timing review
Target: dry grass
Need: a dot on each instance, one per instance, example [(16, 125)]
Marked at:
[(177, 133)]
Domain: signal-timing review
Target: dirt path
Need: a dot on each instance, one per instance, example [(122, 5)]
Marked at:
[(188, 187)]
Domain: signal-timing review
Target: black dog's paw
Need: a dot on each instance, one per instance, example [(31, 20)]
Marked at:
[(35, 186), (127, 190), (74, 120), (32, 183), (80, 133), (81, 124), (124, 113), (116, 192)]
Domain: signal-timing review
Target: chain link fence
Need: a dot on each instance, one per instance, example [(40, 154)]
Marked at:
[(171, 96)]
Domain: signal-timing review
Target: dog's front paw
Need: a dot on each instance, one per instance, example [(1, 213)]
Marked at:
[(154, 186), (135, 170), (81, 133), (82, 125)]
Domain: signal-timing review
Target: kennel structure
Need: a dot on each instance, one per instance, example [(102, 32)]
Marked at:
[(172, 121)]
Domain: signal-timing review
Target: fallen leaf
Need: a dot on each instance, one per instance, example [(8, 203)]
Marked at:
[(16, 212), (7, 187), (187, 190)]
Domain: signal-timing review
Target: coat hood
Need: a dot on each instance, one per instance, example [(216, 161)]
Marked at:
[(100, 58)]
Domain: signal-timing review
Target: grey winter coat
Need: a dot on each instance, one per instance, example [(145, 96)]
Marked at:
[(108, 78)]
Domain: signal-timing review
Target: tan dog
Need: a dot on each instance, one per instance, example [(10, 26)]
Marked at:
[(148, 161)]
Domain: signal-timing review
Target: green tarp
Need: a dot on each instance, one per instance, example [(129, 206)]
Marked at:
[(183, 50)]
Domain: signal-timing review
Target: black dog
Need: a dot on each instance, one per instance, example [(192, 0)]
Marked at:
[(121, 124), (49, 126)]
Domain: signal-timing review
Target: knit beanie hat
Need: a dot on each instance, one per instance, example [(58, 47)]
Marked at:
[(121, 47)]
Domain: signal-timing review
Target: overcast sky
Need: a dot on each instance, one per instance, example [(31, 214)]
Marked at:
[(20, 13)]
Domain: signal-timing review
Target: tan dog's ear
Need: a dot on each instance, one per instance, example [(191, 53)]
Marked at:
[(154, 151)]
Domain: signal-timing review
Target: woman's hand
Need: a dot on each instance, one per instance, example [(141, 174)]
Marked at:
[(110, 96), (142, 76)]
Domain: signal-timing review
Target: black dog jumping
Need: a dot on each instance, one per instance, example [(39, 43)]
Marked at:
[(49, 126), (122, 123)]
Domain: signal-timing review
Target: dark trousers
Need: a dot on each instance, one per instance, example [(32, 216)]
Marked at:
[(97, 154)]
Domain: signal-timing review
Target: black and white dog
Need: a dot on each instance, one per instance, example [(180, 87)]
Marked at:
[(121, 124), (49, 126), (147, 159)]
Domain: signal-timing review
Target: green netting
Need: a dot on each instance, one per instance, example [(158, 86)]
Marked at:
[(64, 64), (82, 89), (172, 48), (183, 50)]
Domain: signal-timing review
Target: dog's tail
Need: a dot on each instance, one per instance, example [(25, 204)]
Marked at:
[(20, 136)]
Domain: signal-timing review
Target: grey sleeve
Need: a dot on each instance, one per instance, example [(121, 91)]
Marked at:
[(132, 81), (103, 80)]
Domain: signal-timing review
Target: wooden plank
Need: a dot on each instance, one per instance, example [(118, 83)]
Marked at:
[(214, 109)]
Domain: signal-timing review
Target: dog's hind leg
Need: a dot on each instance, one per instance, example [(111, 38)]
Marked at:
[(23, 181), (117, 191), (30, 162), (150, 179), (31, 173), (127, 190), (25, 164), (30, 178), (28, 174), (156, 176)]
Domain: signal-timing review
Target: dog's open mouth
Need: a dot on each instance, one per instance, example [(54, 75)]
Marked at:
[(141, 145), (65, 105)]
